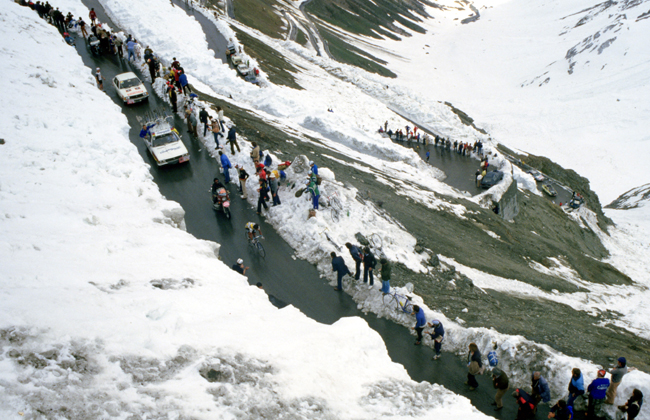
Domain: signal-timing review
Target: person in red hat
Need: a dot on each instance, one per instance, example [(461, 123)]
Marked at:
[(597, 392)]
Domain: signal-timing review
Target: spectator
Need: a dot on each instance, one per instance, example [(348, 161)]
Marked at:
[(243, 176), (313, 167), (173, 98), (576, 386), (357, 256), (617, 376), (203, 117), (633, 405), (255, 153), (216, 132), (420, 323), (597, 393), (369, 263), (385, 275), (501, 384), (561, 411), (475, 366), (264, 195), (315, 194), (437, 335), (338, 265), (99, 79), (117, 42), (182, 78), (232, 139), (130, 49), (239, 267), (82, 26), (273, 183), (526, 407), (225, 165), (92, 15), (541, 391), (220, 117)]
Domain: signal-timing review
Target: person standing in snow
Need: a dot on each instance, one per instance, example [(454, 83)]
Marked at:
[(338, 265), (99, 79), (420, 323), (130, 49), (313, 167), (576, 386), (633, 405), (385, 275), (474, 366), (541, 390), (357, 256), (561, 411), (220, 117), (173, 98), (597, 393), (92, 15), (243, 176), (273, 183), (315, 194), (203, 117), (232, 139), (437, 335), (225, 165), (182, 78), (255, 153), (501, 384), (216, 132), (617, 376), (369, 263)]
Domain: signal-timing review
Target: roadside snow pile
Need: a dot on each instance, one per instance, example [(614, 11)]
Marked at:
[(110, 309)]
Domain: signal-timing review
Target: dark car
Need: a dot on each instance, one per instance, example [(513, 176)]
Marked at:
[(491, 179)]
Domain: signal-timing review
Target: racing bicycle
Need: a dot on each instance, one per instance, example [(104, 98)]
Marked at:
[(256, 244), (401, 303)]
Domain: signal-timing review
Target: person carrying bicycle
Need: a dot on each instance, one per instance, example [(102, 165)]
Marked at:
[(251, 228)]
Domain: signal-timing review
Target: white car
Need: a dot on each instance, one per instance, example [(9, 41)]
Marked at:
[(130, 88), (165, 145)]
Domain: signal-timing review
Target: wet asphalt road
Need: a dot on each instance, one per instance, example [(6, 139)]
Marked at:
[(295, 282)]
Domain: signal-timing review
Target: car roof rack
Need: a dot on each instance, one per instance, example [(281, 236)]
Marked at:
[(155, 116)]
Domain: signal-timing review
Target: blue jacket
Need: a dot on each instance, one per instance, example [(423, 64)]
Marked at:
[(438, 331), (577, 385), (542, 389), (598, 388), (355, 252), (314, 169), (232, 134), (182, 79), (420, 319), (225, 162), (145, 131), (338, 265), (130, 45)]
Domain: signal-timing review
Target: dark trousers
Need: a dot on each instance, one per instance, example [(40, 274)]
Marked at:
[(357, 274), (437, 346), (205, 127), (262, 202), (419, 330), (276, 199), (233, 144), (366, 273), (471, 380), (339, 278)]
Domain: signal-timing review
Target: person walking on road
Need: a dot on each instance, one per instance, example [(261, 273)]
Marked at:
[(82, 26), (475, 366), (99, 79), (173, 98), (597, 393), (357, 256), (617, 376), (501, 383), (420, 323), (428, 154), (117, 42), (130, 49), (264, 195), (92, 15), (385, 275), (437, 335), (525, 405), (243, 176), (338, 265), (225, 165), (239, 267), (369, 263)]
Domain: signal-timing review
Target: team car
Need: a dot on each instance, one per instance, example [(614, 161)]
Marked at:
[(163, 141), (129, 88), (539, 177)]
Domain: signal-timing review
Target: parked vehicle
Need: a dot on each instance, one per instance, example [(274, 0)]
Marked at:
[(491, 179)]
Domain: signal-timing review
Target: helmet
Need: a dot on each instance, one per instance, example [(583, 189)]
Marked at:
[(66, 34), (435, 322), (311, 162), (240, 261), (256, 226)]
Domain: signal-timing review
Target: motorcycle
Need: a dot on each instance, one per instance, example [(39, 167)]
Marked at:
[(221, 201)]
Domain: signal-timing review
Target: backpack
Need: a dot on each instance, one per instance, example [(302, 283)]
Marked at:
[(318, 180)]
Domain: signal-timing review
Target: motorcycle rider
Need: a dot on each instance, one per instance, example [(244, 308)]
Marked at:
[(216, 186)]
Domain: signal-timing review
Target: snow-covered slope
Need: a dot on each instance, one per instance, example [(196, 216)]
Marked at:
[(110, 309)]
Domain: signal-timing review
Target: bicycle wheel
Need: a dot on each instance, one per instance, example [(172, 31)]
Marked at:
[(336, 203), (407, 308), (261, 250), (375, 241), (336, 216)]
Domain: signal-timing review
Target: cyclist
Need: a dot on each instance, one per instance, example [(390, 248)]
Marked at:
[(251, 228)]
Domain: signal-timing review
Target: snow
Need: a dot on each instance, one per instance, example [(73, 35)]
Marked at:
[(125, 316), (108, 305)]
